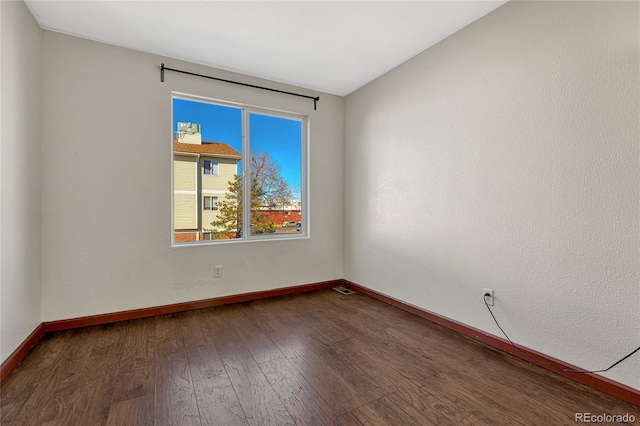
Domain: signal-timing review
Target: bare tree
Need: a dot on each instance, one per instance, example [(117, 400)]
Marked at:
[(266, 173), (268, 188)]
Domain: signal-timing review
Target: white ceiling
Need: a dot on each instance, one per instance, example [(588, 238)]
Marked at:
[(329, 46)]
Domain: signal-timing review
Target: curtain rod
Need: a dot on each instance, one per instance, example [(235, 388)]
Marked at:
[(163, 68)]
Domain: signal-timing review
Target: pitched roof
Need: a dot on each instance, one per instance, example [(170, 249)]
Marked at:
[(211, 148)]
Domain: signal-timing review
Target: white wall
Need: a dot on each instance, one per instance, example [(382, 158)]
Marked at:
[(507, 157), (106, 214), (20, 255)]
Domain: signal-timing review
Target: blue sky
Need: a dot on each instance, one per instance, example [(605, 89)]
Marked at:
[(280, 137)]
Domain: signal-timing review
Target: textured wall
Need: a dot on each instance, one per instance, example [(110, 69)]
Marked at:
[(20, 301), (106, 231), (506, 156)]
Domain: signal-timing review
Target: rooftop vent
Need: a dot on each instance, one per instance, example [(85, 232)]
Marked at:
[(189, 133)]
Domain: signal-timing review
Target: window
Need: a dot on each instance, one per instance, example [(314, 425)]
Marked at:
[(210, 203), (210, 167), (254, 161)]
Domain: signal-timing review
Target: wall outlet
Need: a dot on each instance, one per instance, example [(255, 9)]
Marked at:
[(217, 271), (489, 298)]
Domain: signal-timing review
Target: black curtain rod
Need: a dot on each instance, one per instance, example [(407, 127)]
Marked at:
[(163, 68)]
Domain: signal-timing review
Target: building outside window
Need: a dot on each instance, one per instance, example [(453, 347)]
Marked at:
[(199, 167)]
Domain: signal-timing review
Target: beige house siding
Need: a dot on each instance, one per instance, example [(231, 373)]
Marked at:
[(215, 186), (185, 196), (220, 182), (185, 174), (185, 216)]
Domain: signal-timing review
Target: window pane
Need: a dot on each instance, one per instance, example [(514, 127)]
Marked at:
[(205, 130), (210, 167), (208, 185), (275, 173)]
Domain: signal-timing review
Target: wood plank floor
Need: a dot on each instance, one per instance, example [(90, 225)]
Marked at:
[(317, 358)]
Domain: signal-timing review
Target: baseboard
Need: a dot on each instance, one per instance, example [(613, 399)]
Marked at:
[(68, 324), (595, 381), (21, 351)]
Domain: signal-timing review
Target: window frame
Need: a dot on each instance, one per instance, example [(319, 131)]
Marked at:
[(246, 110), (211, 163), (211, 203)]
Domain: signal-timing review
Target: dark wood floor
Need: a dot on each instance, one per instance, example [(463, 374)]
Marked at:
[(317, 358)]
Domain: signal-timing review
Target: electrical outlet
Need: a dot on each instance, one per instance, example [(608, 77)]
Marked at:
[(217, 271), (487, 294)]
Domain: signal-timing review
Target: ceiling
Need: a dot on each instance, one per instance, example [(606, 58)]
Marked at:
[(329, 46)]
